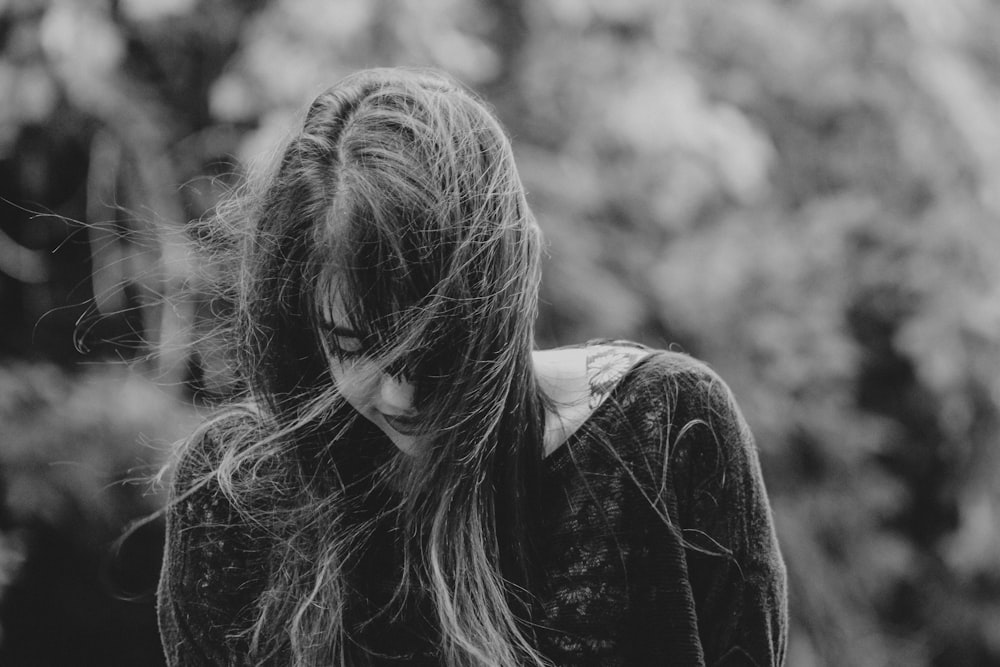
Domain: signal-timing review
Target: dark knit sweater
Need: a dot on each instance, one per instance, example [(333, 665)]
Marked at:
[(656, 540)]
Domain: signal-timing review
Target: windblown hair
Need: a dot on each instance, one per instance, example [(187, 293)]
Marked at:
[(401, 195)]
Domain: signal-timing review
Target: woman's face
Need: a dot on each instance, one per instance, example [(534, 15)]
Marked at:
[(384, 400)]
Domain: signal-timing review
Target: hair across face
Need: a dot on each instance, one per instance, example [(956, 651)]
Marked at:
[(430, 233), (397, 215), (400, 197)]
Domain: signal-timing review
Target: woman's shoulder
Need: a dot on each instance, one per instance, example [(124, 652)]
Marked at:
[(601, 377), (202, 452), (202, 504), (647, 392), (667, 393), (654, 373), (671, 417), (676, 406)]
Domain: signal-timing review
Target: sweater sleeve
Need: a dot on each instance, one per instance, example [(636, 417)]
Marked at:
[(735, 568), (209, 571)]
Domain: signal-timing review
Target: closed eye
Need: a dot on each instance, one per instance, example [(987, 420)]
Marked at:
[(345, 343), (348, 345)]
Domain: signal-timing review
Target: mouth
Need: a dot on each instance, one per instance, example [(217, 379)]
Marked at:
[(402, 424)]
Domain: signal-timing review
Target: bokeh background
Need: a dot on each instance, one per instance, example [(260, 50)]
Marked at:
[(805, 193)]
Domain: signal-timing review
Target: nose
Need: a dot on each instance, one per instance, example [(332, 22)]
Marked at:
[(395, 397)]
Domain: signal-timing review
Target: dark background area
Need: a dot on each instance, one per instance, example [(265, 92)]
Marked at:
[(804, 194)]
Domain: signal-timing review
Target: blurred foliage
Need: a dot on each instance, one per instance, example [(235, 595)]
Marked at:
[(806, 194), (77, 456)]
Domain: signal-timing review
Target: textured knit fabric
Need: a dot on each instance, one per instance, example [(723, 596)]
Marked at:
[(656, 542)]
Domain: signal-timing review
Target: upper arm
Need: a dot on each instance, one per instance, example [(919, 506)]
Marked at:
[(182, 631), (704, 475), (735, 567), (210, 573)]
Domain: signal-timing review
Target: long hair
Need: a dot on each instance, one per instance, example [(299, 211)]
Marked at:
[(400, 193)]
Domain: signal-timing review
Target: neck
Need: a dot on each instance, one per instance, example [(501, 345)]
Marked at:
[(562, 379)]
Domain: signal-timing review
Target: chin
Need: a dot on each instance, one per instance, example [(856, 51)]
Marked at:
[(404, 442)]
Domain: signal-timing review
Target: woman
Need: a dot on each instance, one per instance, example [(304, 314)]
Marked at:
[(409, 481)]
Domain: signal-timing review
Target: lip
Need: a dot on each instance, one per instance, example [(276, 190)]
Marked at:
[(402, 424)]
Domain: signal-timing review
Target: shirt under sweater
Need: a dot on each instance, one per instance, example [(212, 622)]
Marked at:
[(655, 541)]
